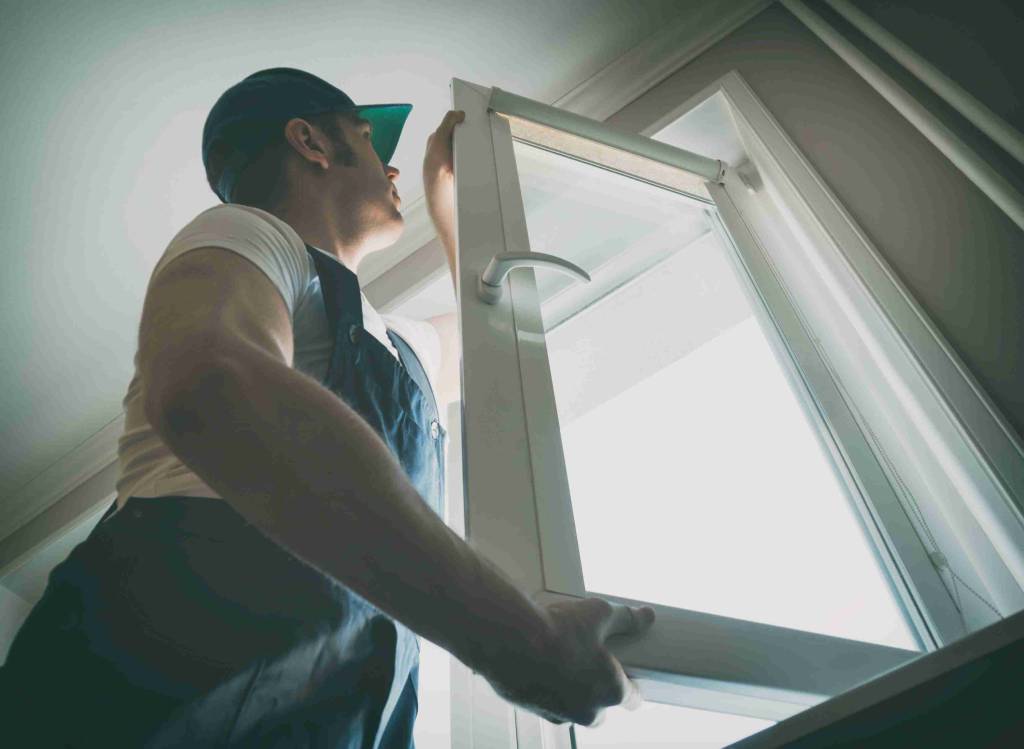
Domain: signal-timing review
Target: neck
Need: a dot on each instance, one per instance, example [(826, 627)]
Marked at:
[(324, 229)]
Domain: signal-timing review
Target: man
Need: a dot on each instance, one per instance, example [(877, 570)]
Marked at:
[(276, 540)]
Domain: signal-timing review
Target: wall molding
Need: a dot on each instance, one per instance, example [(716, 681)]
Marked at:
[(657, 57), (985, 177), (61, 517), (61, 478), (973, 110)]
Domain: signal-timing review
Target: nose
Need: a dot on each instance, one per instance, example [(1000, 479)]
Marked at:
[(392, 172)]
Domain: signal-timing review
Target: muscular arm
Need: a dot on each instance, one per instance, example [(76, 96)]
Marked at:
[(215, 351)]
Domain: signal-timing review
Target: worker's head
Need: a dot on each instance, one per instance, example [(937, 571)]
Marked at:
[(284, 135)]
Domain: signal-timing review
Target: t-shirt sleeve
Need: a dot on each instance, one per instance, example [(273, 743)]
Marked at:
[(260, 237), (424, 340)]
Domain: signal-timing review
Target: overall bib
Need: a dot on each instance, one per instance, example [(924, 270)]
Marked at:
[(176, 623)]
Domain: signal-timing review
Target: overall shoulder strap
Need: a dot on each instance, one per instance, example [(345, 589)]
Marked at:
[(339, 288), (414, 367)]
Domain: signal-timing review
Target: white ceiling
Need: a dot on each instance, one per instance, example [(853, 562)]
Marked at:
[(103, 107)]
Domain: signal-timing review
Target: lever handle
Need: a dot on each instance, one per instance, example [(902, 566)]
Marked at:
[(490, 283)]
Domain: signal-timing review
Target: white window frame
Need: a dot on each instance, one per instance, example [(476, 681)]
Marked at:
[(534, 542), (959, 436)]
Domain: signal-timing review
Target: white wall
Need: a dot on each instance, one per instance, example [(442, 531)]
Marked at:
[(959, 255)]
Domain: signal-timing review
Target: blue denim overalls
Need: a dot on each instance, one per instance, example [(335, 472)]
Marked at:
[(176, 623)]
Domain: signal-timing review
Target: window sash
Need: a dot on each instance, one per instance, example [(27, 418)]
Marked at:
[(513, 456), (985, 430)]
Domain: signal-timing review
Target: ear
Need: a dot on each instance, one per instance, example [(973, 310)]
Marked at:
[(307, 141)]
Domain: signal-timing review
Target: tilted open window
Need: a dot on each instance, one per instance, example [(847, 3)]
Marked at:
[(700, 388)]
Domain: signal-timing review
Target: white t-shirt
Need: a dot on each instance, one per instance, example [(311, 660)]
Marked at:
[(147, 468)]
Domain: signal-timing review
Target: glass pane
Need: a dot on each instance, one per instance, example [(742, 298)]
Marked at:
[(656, 726), (697, 480)]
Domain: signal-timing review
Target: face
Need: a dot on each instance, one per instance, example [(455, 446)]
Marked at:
[(368, 189)]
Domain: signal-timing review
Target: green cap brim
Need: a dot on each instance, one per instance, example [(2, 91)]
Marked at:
[(388, 121)]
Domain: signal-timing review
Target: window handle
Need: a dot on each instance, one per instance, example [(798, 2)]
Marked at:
[(490, 283)]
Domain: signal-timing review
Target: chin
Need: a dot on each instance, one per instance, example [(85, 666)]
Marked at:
[(390, 232)]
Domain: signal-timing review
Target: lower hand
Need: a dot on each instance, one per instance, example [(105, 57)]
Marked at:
[(576, 677)]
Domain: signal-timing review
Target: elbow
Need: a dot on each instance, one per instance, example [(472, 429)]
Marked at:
[(180, 401)]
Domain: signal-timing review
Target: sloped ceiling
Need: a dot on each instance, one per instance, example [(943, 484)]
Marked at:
[(103, 105)]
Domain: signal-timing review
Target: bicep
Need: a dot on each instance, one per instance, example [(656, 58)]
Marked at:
[(207, 303)]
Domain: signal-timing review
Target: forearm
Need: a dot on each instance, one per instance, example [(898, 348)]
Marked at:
[(302, 466), (440, 205)]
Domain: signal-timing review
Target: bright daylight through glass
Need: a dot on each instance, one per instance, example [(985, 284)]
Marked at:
[(697, 480), (656, 726)]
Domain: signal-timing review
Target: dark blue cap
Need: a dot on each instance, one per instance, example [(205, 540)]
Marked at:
[(249, 115)]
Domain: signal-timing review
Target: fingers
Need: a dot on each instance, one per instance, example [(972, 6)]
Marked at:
[(627, 620), (631, 697), (454, 117), (438, 160)]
